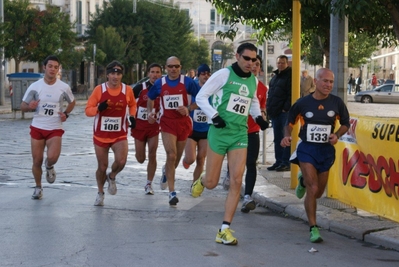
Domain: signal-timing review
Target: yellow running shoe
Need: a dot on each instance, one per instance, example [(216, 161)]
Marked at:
[(225, 237), (197, 188)]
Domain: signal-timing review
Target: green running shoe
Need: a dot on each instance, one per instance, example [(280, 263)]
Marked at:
[(300, 190), (315, 236)]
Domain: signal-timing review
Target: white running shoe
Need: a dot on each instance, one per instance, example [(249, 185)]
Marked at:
[(111, 185), (248, 204), (38, 193), (99, 199), (50, 173), (148, 189), (164, 181)]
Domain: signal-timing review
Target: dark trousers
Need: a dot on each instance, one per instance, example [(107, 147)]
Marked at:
[(252, 157), (282, 154)]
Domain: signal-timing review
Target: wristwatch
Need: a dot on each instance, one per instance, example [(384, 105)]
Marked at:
[(66, 114)]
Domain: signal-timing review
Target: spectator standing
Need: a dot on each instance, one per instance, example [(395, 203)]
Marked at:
[(307, 84), (350, 83), (146, 133), (112, 104), (358, 82), (278, 105), (46, 97), (374, 81)]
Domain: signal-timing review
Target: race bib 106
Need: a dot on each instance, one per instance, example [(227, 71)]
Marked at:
[(111, 124)]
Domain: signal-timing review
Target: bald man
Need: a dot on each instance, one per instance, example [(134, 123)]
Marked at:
[(175, 91)]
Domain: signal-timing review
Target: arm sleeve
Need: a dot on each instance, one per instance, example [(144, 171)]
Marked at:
[(344, 114), (255, 105), (137, 89), (155, 90), (92, 103), (192, 87), (131, 101), (214, 83), (287, 104)]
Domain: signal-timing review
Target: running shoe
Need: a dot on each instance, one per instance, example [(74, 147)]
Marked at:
[(300, 190), (99, 199), (197, 188), (226, 237), (315, 236), (173, 200), (185, 164), (50, 173), (111, 185), (226, 181), (148, 189), (248, 204), (37, 193), (164, 181)]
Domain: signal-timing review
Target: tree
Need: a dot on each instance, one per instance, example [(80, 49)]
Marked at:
[(159, 31), (227, 52), (200, 53), (110, 45), (273, 19), (31, 35), (360, 48)]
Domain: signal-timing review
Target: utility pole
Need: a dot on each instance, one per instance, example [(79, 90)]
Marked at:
[(2, 62), (339, 54)]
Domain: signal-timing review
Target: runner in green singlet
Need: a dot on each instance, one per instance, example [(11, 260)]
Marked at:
[(232, 91)]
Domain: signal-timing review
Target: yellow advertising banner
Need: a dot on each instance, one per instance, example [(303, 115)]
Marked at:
[(366, 170)]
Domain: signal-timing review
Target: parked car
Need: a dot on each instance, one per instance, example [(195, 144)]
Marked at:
[(386, 93), (140, 81)]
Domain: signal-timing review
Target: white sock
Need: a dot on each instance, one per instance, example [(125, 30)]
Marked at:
[(224, 226), (149, 182)]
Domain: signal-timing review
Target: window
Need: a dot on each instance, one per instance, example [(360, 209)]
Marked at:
[(213, 19), (79, 17)]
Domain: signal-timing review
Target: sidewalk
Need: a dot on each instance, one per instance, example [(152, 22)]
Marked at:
[(272, 190)]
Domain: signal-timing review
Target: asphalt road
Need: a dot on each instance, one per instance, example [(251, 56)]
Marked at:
[(132, 229)]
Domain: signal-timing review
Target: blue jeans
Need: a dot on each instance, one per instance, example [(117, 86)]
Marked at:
[(282, 154)]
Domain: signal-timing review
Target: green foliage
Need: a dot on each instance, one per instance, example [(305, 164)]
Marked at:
[(31, 35), (200, 53), (152, 34), (361, 47), (274, 17), (227, 52), (110, 44), (372, 17)]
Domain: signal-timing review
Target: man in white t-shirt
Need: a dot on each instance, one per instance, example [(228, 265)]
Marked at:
[(46, 98)]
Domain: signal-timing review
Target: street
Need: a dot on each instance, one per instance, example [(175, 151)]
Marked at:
[(133, 229)]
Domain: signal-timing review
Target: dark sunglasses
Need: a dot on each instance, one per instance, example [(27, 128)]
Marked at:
[(173, 66), (246, 58), (205, 73)]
